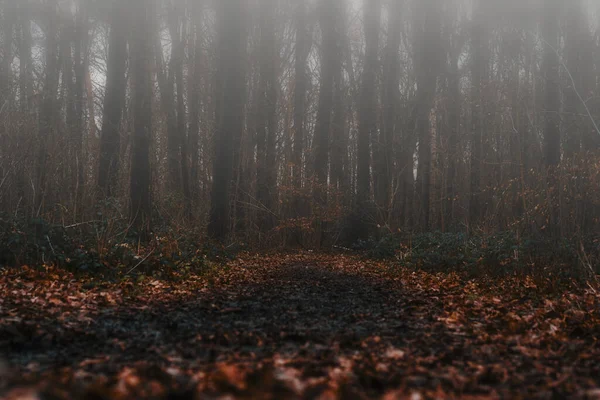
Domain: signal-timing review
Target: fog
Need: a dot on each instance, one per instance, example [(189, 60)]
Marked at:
[(319, 121)]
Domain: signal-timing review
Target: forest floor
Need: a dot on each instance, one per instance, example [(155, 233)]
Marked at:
[(296, 326)]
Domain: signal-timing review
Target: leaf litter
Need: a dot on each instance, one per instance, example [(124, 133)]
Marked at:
[(295, 326)]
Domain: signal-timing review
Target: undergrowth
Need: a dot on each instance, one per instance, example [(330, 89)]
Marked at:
[(107, 247), (499, 254)]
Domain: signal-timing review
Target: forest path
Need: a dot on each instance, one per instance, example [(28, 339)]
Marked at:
[(295, 326)]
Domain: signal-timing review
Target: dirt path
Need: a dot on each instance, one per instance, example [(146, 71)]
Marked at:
[(296, 327)]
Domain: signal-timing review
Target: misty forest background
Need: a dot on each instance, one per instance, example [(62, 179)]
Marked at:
[(312, 123)]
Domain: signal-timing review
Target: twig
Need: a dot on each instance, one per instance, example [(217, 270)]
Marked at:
[(562, 63), (50, 243), (141, 261), (81, 223)]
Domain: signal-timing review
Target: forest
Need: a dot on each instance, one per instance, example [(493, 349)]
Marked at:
[(395, 199)]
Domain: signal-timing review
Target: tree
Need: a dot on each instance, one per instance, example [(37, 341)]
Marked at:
[(176, 27), (229, 110), (329, 61), (26, 104), (195, 97), (367, 114), (551, 73), (478, 73), (266, 119), (302, 50), (114, 101), (455, 41), (579, 53), (6, 57), (141, 56), (428, 55), (550, 34), (166, 76), (47, 114), (80, 67), (338, 169), (391, 76)]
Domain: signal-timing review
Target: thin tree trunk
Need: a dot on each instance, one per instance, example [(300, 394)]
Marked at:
[(166, 83), (47, 115), (478, 72), (303, 46), (454, 100), (195, 102), (229, 112), (178, 35), (266, 121), (324, 110), (367, 117), (390, 110), (428, 64), (81, 61), (114, 102), (551, 64), (141, 59), (26, 103), (9, 16)]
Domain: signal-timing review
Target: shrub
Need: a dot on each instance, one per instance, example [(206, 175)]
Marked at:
[(498, 254)]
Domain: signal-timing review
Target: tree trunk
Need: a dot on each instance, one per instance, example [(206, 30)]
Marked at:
[(428, 63), (454, 100), (114, 102), (231, 85), (166, 83), (141, 60), (550, 32), (81, 61), (26, 103), (578, 82), (391, 78), (8, 19), (178, 35), (47, 115), (195, 100), (478, 73), (303, 46), (328, 25), (551, 73), (367, 116), (266, 120)]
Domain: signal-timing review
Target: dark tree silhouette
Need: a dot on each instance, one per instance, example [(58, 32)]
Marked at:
[(428, 55), (229, 110), (367, 116), (141, 58), (266, 118), (114, 100)]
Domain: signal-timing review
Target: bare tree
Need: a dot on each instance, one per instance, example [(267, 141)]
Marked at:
[(114, 101), (142, 14), (195, 96), (230, 110), (367, 114), (266, 118), (478, 76), (428, 55), (328, 16), (47, 114)]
